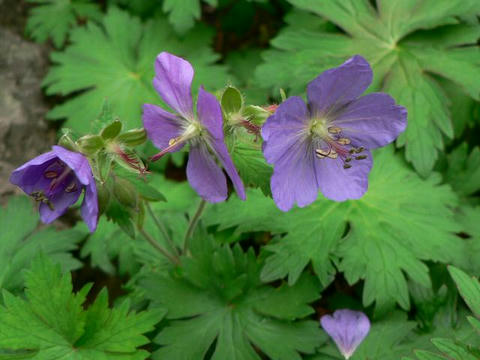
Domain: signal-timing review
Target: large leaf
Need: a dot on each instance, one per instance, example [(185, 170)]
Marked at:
[(20, 241), (216, 300), (55, 18), (401, 222), (116, 61), (394, 39), (52, 324)]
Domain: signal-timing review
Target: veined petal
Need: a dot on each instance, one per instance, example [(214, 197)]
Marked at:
[(90, 206), (210, 115), (373, 120), (77, 162), (347, 328), (294, 179), (336, 87), (285, 128), (29, 177), (204, 175), (173, 81), (339, 184), (161, 126), (61, 201)]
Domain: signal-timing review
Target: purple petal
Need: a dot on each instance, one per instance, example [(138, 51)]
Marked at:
[(339, 184), (210, 115), (29, 177), (204, 175), (294, 178), (90, 206), (338, 86), (161, 126), (347, 328), (285, 128), (173, 80), (373, 120), (77, 162), (61, 201)]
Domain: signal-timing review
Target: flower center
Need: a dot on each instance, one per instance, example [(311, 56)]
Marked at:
[(190, 131), (334, 143)]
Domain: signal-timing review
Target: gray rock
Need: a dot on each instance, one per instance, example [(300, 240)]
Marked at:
[(24, 133)]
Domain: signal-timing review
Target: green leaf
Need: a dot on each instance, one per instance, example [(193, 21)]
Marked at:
[(116, 60), (20, 242), (55, 18), (51, 321), (183, 13), (463, 172), (399, 223), (469, 288), (405, 41), (216, 300)]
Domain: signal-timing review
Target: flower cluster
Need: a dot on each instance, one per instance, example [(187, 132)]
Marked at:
[(323, 145)]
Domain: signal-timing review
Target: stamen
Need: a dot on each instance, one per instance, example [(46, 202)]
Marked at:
[(361, 157), (334, 130), (71, 188), (343, 141), (40, 197), (322, 153), (50, 174), (173, 141), (348, 159), (359, 150), (352, 151), (347, 166), (333, 154)]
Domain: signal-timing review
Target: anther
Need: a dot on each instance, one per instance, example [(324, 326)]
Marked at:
[(172, 141), (347, 166), (352, 151), (322, 153), (361, 157), (348, 159), (334, 130), (50, 174), (359, 150), (333, 154), (71, 188), (343, 141)]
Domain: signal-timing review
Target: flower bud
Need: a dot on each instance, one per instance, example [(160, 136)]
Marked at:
[(90, 144), (125, 193), (133, 137), (111, 131), (256, 114)]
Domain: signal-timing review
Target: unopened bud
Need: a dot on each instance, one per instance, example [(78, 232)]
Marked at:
[(111, 131), (90, 144), (125, 192), (67, 142), (133, 137)]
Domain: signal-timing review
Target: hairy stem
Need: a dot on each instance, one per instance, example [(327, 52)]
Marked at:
[(162, 229), (173, 259), (193, 224)]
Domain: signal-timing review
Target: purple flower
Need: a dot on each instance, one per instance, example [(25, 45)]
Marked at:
[(347, 328), (326, 144), (203, 131), (56, 180)]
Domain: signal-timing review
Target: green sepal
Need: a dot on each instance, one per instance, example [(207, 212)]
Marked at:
[(133, 137), (67, 142), (111, 131), (256, 114), (90, 144), (232, 100)]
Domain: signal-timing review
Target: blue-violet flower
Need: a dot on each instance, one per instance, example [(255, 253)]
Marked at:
[(203, 131), (347, 328), (56, 179), (326, 144)]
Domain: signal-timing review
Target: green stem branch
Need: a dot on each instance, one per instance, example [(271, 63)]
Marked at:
[(162, 228), (193, 224), (157, 246)]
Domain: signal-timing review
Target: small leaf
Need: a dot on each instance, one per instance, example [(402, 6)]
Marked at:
[(469, 288)]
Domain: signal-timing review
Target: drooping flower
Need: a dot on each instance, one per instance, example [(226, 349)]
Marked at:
[(56, 180), (203, 131), (326, 145), (347, 328)]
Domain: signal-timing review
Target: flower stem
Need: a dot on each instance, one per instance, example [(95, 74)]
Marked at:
[(193, 224), (157, 246), (162, 228)]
